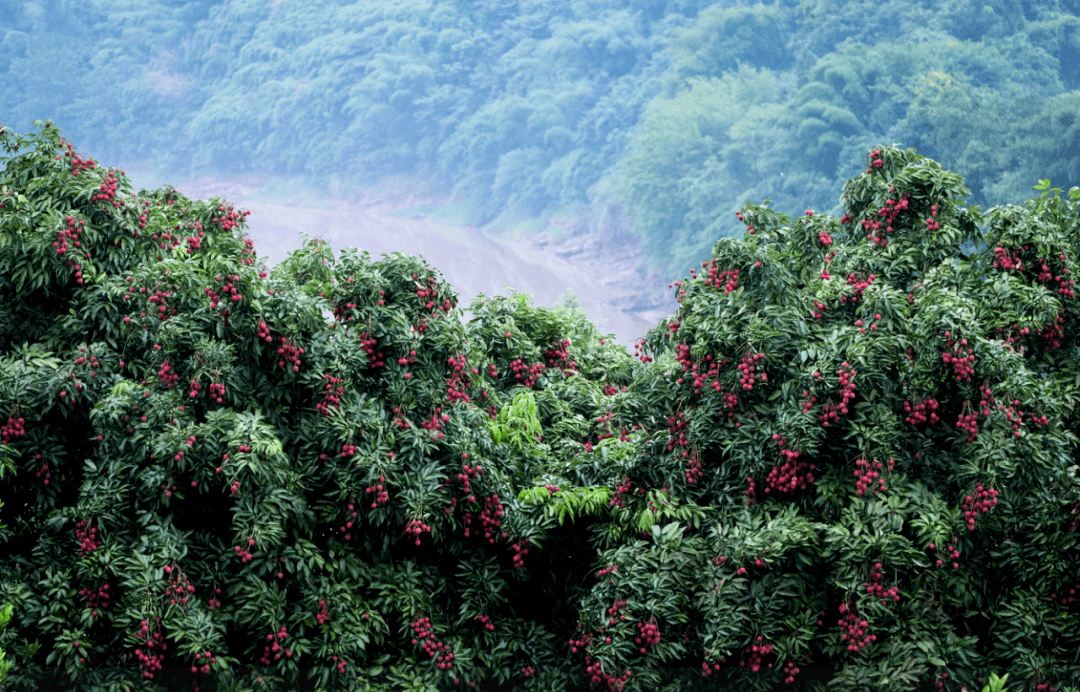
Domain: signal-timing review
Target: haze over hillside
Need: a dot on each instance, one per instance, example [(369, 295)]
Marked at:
[(595, 272), (597, 121)]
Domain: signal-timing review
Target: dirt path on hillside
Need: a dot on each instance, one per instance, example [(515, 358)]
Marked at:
[(598, 267)]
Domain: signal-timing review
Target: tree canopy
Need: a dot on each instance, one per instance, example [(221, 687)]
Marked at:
[(849, 457)]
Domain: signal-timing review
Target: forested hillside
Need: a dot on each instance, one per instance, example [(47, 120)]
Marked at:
[(681, 109)]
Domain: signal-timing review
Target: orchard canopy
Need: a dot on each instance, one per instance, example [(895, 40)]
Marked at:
[(848, 459)]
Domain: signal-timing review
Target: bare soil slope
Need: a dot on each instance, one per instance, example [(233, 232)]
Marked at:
[(598, 264)]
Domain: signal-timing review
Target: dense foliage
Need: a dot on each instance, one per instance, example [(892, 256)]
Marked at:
[(802, 476), (683, 109)]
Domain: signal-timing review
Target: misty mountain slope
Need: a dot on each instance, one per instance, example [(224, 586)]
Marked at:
[(677, 110)]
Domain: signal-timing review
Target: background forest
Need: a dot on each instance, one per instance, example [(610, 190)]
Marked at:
[(679, 109)]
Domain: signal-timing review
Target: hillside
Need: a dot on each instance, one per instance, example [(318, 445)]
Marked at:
[(678, 110), (596, 268)]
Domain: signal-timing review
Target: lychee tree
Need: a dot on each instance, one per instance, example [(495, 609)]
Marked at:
[(799, 478)]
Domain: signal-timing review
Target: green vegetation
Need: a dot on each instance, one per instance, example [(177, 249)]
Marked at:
[(687, 109), (848, 459), (5, 617)]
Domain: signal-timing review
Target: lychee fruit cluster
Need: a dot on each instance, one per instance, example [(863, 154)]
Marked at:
[(78, 164), (12, 428), (756, 651), (1009, 416), (158, 298), (291, 353), (866, 474), (649, 635), (459, 379), (558, 356), (263, 332), (179, 586), (621, 489), (874, 587), (1052, 334), (853, 628), (873, 326), (728, 401), (87, 537), (381, 496), (520, 551), (43, 470), (245, 556), (790, 671), (526, 374), (407, 360), (860, 284), (72, 232), (747, 367), (694, 472), (952, 553), (728, 280), (676, 430), (968, 421), (699, 378), (832, 412), (202, 662), (960, 357), (416, 527), (108, 190), (332, 392), (491, 516), (275, 647), (889, 212), (599, 676), (98, 598), (614, 610), (1067, 597), (93, 363), (790, 475), (1007, 258), (168, 378), (706, 671), (585, 640), (350, 516), (982, 501), (374, 358), (923, 411), (931, 221), (434, 424), (150, 659), (422, 629)]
